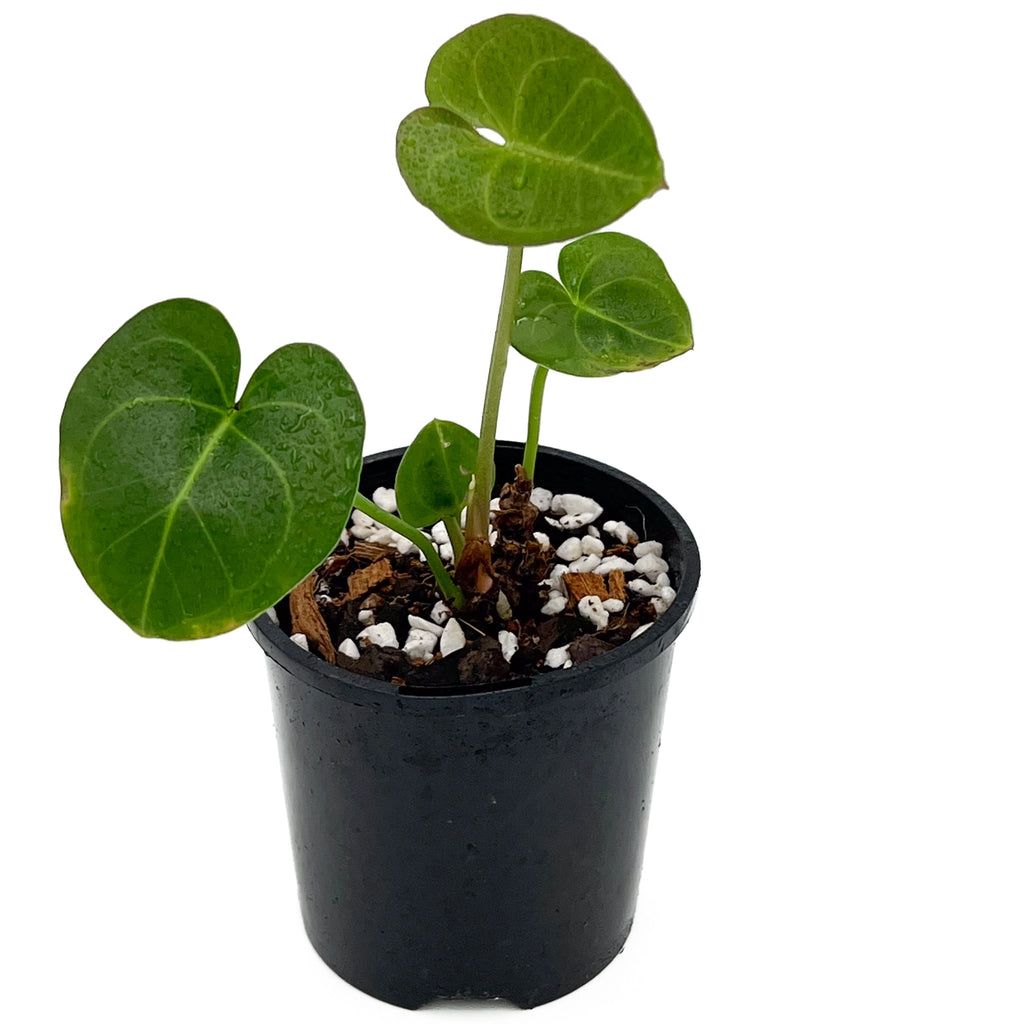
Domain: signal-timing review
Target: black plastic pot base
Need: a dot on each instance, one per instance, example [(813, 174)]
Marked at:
[(483, 844), (407, 997)]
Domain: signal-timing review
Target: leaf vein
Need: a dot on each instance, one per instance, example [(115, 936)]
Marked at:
[(618, 323), (285, 486), (144, 400), (172, 510), (213, 544)]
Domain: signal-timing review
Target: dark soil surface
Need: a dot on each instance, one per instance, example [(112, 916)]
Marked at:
[(363, 577)]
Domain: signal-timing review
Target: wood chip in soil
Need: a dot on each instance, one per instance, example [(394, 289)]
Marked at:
[(306, 617)]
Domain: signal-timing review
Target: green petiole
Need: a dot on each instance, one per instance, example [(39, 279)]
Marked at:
[(448, 587), (478, 514), (454, 528), (540, 376)]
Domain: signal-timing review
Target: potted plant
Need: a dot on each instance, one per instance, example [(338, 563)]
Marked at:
[(469, 683)]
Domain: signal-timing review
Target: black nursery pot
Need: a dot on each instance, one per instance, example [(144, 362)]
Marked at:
[(479, 844)]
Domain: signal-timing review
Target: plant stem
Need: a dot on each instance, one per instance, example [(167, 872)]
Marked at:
[(448, 587), (540, 376), (454, 528), (478, 515)]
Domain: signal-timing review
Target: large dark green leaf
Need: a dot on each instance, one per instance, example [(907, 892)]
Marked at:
[(187, 513), (618, 310), (578, 149), (434, 474)]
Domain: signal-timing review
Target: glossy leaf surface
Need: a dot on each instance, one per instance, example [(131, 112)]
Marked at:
[(616, 310), (578, 149), (435, 472), (187, 513)]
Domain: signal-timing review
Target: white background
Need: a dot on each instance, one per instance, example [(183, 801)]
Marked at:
[(837, 830)]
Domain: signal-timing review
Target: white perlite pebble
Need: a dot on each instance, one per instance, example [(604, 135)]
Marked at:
[(612, 563), (591, 545), (404, 545), (299, 639), (271, 613), (384, 497), (663, 580), (553, 523), (492, 537), (620, 531), (644, 589), (509, 644), (576, 510), (555, 604), (440, 613), (416, 622), (495, 504), (554, 582), (613, 605), (540, 498), (651, 566), (640, 629), (452, 639), (659, 606), (558, 657), (349, 649), (648, 547), (593, 531), (419, 644), (569, 549), (447, 553), (439, 533), (366, 617), (585, 563), (591, 609), (380, 634), (503, 607), (543, 540), (343, 539)]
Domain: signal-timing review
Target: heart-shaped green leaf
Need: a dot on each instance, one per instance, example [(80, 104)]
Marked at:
[(619, 310), (578, 149), (434, 474), (187, 513)]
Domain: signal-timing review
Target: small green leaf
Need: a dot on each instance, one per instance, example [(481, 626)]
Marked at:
[(187, 513), (578, 149), (434, 474), (619, 310)]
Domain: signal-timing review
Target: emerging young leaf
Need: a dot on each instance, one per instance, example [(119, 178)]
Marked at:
[(189, 513), (434, 474), (578, 149), (618, 311)]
